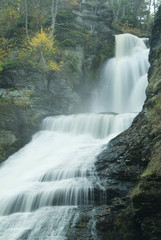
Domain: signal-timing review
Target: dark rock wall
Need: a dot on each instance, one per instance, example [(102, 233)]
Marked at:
[(131, 166)]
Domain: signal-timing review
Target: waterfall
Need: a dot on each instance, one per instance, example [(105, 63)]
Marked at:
[(124, 81), (43, 184)]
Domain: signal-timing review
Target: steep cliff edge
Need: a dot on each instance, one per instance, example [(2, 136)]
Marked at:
[(131, 166)]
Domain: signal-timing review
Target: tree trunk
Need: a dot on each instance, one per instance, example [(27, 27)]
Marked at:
[(54, 9), (96, 7), (118, 9), (154, 4), (26, 19), (44, 69)]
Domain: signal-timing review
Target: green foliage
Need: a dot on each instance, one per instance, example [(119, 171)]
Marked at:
[(21, 51), (65, 15), (132, 16), (4, 51), (69, 35), (72, 67), (158, 55), (11, 63), (106, 51), (41, 52), (7, 17)]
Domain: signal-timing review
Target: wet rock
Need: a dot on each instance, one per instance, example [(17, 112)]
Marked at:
[(133, 160), (86, 33), (25, 100)]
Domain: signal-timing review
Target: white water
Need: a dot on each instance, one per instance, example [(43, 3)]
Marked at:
[(122, 88), (42, 185)]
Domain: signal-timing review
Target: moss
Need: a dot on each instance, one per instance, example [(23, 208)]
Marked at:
[(145, 188), (135, 152), (104, 53), (158, 55), (72, 67), (126, 225), (16, 97), (154, 167), (143, 208), (64, 15), (149, 171), (135, 191), (70, 27), (70, 35)]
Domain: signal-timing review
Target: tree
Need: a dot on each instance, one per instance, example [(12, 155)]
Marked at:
[(54, 9), (4, 51), (132, 14), (42, 54), (154, 5), (8, 16), (26, 19)]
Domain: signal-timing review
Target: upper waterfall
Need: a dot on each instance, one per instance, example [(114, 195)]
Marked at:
[(124, 80), (126, 44)]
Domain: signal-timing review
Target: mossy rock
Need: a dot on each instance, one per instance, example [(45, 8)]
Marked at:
[(65, 15), (105, 52), (126, 225)]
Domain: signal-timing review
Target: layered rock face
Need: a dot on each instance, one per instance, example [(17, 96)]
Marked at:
[(85, 32), (26, 97), (131, 166), (25, 101)]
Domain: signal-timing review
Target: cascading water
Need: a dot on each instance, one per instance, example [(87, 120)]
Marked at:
[(122, 88), (43, 184)]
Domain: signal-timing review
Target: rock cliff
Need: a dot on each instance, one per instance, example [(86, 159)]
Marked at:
[(84, 33), (25, 101), (131, 166)]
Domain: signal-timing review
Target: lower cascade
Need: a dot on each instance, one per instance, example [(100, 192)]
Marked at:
[(44, 183)]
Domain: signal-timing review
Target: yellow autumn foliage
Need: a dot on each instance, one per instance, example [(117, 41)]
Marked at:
[(3, 48), (54, 66), (41, 52), (4, 51), (41, 41)]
